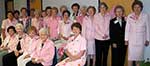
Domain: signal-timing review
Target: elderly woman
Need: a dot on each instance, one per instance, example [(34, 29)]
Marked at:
[(101, 24), (65, 26), (44, 53), (18, 47), (137, 33), (88, 33), (46, 19), (37, 20), (117, 33), (75, 9), (62, 9), (30, 40), (5, 48), (53, 24), (77, 55), (10, 21), (24, 19), (83, 13)]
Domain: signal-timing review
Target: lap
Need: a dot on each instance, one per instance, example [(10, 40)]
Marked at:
[(32, 64)]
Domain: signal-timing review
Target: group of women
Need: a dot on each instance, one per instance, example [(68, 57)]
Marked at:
[(30, 40)]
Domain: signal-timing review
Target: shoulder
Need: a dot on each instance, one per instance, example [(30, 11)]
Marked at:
[(50, 42), (113, 19), (145, 15), (5, 21), (97, 14), (85, 18), (82, 38), (130, 15)]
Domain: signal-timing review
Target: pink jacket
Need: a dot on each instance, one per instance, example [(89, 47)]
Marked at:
[(46, 52)]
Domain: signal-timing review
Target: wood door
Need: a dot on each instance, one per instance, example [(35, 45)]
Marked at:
[(36, 4)]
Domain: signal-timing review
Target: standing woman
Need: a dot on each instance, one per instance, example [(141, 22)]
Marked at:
[(65, 26), (137, 33), (10, 21), (62, 9), (75, 49), (117, 33), (88, 33), (101, 25), (46, 19), (36, 21), (75, 9), (83, 13), (53, 24), (24, 19), (16, 15)]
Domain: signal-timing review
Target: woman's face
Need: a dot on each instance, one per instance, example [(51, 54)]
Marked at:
[(10, 16), (48, 11), (66, 15), (63, 9), (103, 9), (137, 9), (75, 9), (37, 15), (43, 36), (119, 12), (11, 32), (19, 30), (91, 11), (54, 12), (16, 15), (76, 31), (43, 14), (24, 12), (83, 11), (32, 33)]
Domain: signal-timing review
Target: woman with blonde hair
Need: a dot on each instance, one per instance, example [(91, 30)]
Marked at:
[(31, 38)]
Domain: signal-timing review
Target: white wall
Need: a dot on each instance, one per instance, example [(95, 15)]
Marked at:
[(2, 10), (68, 3), (146, 4), (18, 4)]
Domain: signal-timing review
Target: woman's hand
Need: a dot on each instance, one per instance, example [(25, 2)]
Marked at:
[(27, 56), (114, 45), (40, 60), (16, 53), (126, 42), (33, 60)]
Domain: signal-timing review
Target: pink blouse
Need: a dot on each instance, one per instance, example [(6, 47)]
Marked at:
[(101, 25), (53, 26)]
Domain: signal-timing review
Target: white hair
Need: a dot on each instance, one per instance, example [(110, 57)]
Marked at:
[(19, 25), (44, 30)]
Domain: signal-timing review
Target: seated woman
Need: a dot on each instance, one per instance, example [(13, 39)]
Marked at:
[(5, 47), (30, 40), (10, 59), (75, 49), (44, 53)]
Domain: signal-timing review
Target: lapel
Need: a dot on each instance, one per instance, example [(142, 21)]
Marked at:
[(116, 23), (123, 23)]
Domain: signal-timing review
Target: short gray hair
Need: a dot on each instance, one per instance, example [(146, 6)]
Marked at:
[(44, 30)]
